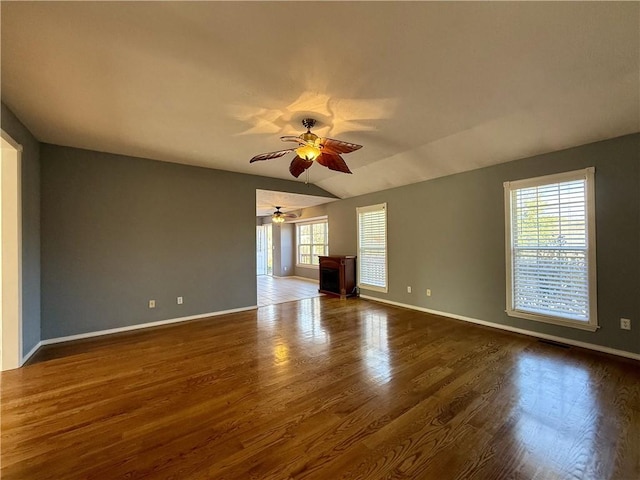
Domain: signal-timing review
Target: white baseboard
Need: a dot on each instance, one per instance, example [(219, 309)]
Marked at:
[(297, 277), (554, 338), (307, 279), (575, 343), (30, 354), (139, 326)]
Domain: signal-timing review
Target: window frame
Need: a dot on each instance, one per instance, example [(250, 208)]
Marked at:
[(315, 221), (588, 175), (366, 209)]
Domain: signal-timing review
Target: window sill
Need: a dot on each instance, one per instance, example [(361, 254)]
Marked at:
[(311, 267), (373, 288), (590, 327)]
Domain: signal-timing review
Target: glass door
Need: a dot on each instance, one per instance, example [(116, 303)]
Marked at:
[(264, 254)]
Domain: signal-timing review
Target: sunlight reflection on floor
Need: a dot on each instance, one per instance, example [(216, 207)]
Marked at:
[(553, 397)]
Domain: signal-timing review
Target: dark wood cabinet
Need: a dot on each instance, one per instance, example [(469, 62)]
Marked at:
[(338, 275)]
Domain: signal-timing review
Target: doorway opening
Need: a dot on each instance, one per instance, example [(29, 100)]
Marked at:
[(10, 254)]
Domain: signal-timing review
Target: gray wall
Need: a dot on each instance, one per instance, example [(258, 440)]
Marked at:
[(307, 272), (447, 235), (118, 231), (287, 249), (283, 249), (30, 227)]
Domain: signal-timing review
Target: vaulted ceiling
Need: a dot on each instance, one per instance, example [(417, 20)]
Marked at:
[(429, 89)]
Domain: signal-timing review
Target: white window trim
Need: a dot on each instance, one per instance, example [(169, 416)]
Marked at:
[(587, 174), (372, 208), (309, 221)]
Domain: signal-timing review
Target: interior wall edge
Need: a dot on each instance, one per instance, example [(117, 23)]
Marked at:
[(31, 234)]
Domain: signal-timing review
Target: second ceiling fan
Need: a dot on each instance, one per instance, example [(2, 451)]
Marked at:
[(280, 217), (325, 151)]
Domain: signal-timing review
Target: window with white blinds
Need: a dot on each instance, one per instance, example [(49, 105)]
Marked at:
[(550, 227), (372, 247)]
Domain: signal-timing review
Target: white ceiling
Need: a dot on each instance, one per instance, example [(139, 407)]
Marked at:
[(429, 89), (267, 201)]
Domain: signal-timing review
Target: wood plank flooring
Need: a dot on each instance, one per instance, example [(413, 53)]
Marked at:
[(321, 388)]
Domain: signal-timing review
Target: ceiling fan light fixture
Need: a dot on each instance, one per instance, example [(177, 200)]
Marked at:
[(278, 216), (308, 152), (325, 151)]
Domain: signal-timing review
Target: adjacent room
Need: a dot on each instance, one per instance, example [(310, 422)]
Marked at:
[(320, 240)]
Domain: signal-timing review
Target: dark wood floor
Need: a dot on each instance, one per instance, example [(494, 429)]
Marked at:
[(321, 389)]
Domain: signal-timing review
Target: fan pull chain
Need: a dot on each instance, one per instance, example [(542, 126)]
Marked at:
[(306, 182)]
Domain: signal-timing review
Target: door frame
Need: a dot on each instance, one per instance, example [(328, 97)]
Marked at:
[(11, 253)]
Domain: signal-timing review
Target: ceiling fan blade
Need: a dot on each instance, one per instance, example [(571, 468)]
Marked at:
[(331, 145), (293, 138), (279, 213), (333, 162), (299, 165), (270, 155)]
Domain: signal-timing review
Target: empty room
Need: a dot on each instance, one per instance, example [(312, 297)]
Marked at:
[(320, 240)]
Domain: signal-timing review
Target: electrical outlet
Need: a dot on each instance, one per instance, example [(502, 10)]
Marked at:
[(152, 304), (625, 324), (428, 292), (408, 289), (179, 300)]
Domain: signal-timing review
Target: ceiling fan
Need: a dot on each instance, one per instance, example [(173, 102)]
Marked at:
[(325, 151), (280, 217)]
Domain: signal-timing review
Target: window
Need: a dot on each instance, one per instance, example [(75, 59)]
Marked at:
[(313, 241), (551, 251), (372, 247)]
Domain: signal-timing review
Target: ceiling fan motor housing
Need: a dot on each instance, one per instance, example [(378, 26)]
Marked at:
[(309, 137), (308, 123)]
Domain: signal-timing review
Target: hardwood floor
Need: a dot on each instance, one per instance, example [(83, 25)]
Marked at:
[(323, 389)]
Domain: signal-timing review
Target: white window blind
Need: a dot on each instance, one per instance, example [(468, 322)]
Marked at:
[(372, 247), (551, 258)]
